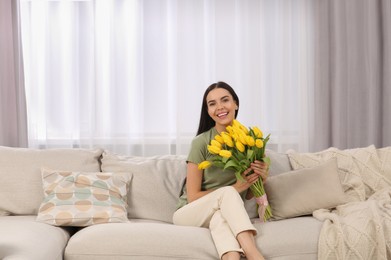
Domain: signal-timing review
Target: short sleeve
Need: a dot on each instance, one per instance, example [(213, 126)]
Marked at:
[(198, 150)]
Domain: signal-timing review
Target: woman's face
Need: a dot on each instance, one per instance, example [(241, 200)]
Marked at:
[(221, 108)]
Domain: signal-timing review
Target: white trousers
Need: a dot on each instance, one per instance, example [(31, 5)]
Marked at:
[(223, 212)]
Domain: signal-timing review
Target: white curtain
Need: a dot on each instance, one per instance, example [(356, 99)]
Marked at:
[(129, 75)]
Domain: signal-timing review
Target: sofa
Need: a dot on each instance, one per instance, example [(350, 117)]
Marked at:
[(137, 222)]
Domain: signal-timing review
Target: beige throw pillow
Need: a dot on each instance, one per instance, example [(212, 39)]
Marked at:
[(348, 169), (300, 192), (83, 199)]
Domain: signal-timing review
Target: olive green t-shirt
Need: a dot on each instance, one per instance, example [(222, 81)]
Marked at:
[(213, 177)]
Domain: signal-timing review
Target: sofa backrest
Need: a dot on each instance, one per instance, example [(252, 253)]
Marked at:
[(21, 191), (156, 183), (154, 190), (279, 162)]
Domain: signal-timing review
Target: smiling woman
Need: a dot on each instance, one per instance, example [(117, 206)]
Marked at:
[(123, 74), (213, 197)]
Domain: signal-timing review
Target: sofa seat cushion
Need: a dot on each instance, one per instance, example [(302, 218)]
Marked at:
[(289, 239), (295, 238), (143, 240), (21, 237)]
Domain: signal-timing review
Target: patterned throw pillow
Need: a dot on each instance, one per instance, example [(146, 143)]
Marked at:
[(83, 199)]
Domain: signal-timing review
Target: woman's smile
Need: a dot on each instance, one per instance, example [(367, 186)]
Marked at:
[(222, 115)]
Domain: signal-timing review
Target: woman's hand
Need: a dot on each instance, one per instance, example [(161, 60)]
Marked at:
[(251, 175), (261, 169)]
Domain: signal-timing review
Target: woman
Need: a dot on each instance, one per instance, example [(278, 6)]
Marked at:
[(212, 197)]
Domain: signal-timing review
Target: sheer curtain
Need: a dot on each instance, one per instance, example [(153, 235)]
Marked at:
[(129, 75), (13, 121)]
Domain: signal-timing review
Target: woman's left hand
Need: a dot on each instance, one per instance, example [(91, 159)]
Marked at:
[(256, 170), (261, 169)]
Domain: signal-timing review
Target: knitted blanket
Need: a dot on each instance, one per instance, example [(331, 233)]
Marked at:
[(361, 228)]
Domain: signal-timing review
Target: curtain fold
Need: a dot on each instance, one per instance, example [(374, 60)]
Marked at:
[(385, 10), (13, 117), (352, 74)]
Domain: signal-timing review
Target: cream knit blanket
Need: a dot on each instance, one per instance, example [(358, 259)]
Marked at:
[(361, 228)]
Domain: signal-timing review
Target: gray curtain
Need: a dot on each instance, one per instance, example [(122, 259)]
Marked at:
[(13, 120), (352, 74)]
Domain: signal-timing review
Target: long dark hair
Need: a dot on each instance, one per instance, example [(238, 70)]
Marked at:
[(206, 122)]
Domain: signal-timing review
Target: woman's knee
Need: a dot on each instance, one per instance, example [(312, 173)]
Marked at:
[(229, 191)]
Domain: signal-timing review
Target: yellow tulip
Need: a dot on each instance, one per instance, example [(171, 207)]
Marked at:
[(235, 136), (227, 139), (244, 129), (258, 133), (259, 143), (214, 149), (236, 129), (219, 139), (230, 129), (239, 146), (215, 143), (225, 153), (250, 140), (239, 133), (236, 123), (204, 165), (242, 138)]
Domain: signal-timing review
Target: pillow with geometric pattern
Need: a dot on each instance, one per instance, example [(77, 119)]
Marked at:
[(83, 198)]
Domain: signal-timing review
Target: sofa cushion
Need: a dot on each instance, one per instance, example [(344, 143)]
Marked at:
[(156, 184), (279, 162), (350, 178), (83, 199), (359, 169), (144, 240), (20, 174), (21, 237), (289, 239), (300, 192)]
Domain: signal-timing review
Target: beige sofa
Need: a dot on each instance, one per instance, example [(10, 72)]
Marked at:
[(148, 232)]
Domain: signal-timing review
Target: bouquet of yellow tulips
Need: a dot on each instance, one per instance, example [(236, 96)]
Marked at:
[(236, 149)]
